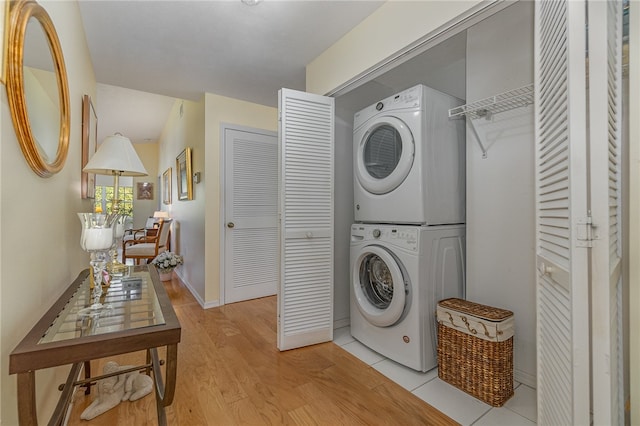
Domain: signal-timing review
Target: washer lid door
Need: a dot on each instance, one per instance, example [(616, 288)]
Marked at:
[(378, 286), (384, 155)]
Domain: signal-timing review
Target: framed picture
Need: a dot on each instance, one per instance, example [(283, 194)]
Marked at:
[(166, 186), (184, 176), (145, 191), (89, 146)]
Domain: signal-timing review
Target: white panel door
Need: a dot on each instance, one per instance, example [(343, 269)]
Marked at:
[(605, 98), (561, 213), (305, 297), (251, 263)]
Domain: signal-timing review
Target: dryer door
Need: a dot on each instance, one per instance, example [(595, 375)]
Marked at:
[(384, 155), (379, 286)]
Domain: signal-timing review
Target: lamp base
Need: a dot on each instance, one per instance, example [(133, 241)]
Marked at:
[(114, 266), (117, 269)]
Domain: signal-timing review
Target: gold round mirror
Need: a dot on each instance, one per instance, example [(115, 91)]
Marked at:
[(37, 88)]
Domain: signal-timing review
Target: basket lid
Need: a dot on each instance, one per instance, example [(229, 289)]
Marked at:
[(485, 312)]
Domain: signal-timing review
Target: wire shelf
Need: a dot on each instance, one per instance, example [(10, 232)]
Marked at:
[(516, 98)]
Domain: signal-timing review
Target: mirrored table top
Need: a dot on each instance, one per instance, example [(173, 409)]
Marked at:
[(129, 303)]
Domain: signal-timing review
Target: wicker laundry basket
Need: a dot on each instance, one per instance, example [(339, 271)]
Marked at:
[(475, 349)]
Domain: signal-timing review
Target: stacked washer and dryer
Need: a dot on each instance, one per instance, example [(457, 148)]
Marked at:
[(407, 247)]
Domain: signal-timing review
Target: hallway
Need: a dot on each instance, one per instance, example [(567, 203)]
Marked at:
[(231, 373)]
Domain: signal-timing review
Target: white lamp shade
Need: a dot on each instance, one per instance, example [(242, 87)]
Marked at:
[(161, 214), (116, 155)]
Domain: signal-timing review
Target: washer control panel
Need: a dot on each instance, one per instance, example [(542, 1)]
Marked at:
[(402, 236)]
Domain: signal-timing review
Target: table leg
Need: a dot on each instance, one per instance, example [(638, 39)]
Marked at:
[(164, 392), (27, 415), (59, 414), (171, 369), (162, 415), (148, 369), (87, 375)]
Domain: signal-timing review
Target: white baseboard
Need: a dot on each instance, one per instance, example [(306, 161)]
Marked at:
[(344, 322), (212, 304), (526, 378), (201, 302)]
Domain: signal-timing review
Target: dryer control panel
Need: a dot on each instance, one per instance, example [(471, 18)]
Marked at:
[(409, 99)]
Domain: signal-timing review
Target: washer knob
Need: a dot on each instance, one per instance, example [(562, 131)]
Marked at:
[(376, 233)]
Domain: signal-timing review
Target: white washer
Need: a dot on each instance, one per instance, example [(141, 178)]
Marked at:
[(409, 160), (398, 274)]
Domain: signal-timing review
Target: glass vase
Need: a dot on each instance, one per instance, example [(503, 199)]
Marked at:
[(97, 238)]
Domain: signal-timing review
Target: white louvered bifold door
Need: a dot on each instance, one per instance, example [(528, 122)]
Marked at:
[(305, 298), (561, 213), (605, 97)]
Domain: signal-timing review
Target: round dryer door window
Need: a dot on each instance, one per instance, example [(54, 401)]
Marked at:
[(385, 155), (379, 286)]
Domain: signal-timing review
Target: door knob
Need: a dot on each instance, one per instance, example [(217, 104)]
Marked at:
[(230, 225), (545, 269)]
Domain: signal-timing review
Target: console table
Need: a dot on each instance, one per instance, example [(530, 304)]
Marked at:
[(140, 317)]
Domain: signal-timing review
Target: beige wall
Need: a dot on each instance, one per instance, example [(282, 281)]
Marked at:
[(185, 128), (148, 153), (390, 29), (221, 110), (196, 227), (39, 229)]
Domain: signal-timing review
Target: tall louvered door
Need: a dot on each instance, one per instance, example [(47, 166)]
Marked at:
[(605, 94), (305, 297), (251, 214), (561, 213)]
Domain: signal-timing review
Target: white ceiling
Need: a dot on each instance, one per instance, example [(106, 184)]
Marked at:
[(138, 115), (182, 49)]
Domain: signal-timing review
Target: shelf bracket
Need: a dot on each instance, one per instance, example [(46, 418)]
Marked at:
[(475, 134), (484, 108)]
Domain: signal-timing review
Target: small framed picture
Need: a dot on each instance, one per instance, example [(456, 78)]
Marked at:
[(145, 191), (166, 186), (184, 176), (89, 146)]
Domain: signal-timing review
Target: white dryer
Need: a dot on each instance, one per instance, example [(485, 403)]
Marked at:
[(398, 274), (409, 160)]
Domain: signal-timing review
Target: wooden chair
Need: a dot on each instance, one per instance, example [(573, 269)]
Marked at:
[(150, 229), (148, 247)]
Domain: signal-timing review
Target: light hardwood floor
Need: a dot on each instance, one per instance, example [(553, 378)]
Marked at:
[(231, 373)]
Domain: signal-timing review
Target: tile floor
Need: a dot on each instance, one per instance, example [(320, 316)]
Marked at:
[(520, 410)]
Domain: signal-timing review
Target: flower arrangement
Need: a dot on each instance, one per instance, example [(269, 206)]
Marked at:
[(167, 261)]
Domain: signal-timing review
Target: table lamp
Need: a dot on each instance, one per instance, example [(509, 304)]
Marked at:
[(159, 214), (117, 157)]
